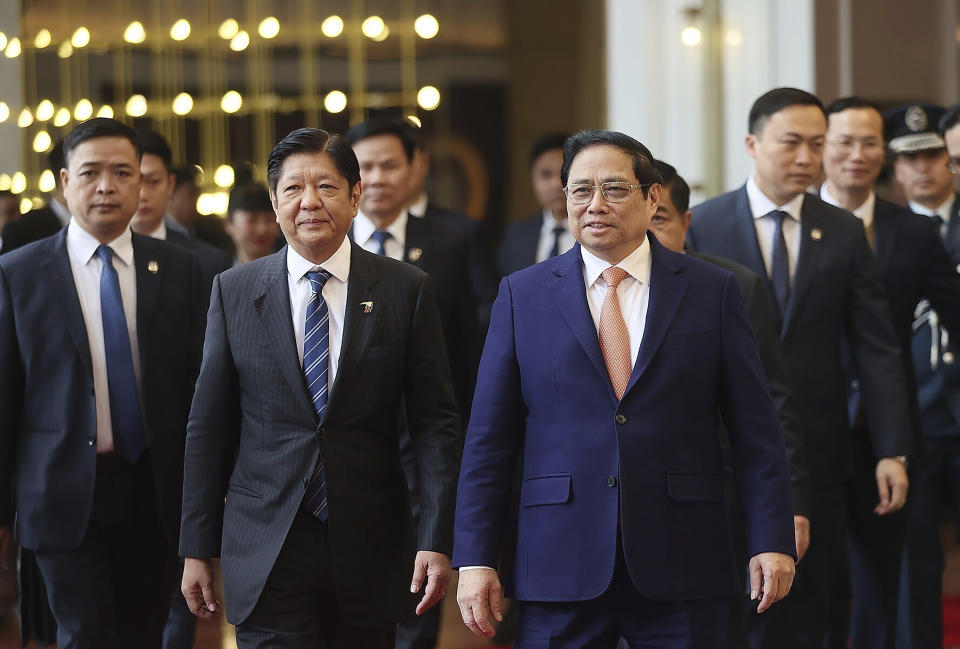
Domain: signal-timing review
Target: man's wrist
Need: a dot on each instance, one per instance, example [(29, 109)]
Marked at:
[(464, 568), (902, 459)]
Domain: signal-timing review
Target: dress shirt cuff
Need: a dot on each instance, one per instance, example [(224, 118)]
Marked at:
[(463, 568)]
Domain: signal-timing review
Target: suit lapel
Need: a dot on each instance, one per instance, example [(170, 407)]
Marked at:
[(417, 242), (148, 264), (57, 265), (532, 241), (886, 227), (953, 230), (745, 231), (810, 220), (272, 306)]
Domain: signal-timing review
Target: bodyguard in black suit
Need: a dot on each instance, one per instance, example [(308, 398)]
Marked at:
[(99, 363), (316, 539), (823, 286), (44, 222)]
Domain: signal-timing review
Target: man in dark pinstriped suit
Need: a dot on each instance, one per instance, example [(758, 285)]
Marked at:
[(293, 475)]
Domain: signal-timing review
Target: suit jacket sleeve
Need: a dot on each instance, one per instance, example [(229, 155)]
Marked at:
[(212, 433), (942, 282), (493, 442), (760, 462), (771, 355), (876, 353), (434, 424), (11, 400)]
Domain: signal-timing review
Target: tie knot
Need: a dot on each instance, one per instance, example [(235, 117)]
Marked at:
[(317, 279), (613, 276), (778, 216), (380, 236), (558, 230), (105, 253)]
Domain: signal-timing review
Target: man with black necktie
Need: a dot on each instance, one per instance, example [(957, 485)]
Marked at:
[(311, 356), (545, 234), (94, 394), (823, 285)]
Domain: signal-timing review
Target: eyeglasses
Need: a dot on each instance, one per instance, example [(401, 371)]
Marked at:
[(846, 145), (953, 164), (612, 192)]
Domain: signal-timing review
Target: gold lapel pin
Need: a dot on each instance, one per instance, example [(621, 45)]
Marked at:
[(816, 234), (415, 254), (367, 306), (153, 266)]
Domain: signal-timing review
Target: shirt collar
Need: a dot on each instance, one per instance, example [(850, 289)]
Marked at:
[(637, 264), (84, 245), (419, 207), (160, 232), (760, 205), (943, 211), (363, 228), (338, 264), (550, 222), (864, 212)]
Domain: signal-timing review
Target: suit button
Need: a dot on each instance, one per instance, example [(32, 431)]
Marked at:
[(611, 481), (854, 384), (620, 420), (91, 441), (321, 431), (949, 358)]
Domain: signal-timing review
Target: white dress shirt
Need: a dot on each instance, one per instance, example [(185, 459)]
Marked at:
[(160, 232), (943, 212), (363, 229), (419, 208), (545, 242), (760, 207), (864, 212), (334, 293), (86, 268)]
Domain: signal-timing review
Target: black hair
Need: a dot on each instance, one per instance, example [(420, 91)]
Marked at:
[(385, 126), (773, 101), (313, 140), (184, 176), (155, 144), (249, 198), (643, 167), (98, 127), (675, 184), (849, 103), (950, 119), (545, 143)]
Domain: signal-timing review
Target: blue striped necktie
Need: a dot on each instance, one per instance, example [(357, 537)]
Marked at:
[(316, 365), (129, 437), (381, 236)]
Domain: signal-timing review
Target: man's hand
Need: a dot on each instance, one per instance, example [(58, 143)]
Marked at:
[(771, 575), (801, 531), (6, 539), (435, 567), (892, 485), (197, 587), (479, 593)]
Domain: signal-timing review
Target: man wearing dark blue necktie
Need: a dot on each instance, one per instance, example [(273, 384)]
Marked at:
[(100, 333)]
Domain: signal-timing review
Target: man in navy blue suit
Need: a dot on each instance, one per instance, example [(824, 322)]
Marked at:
[(608, 367)]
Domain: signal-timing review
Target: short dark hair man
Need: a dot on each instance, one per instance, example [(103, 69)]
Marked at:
[(309, 357), (251, 223), (43, 222), (612, 505), (823, 287), (100, 334)]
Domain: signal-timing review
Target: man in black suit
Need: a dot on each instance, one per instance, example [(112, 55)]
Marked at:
[(913, 266), (544, 234), (310, 355), (158, 183), (823, 287), (183, 217), (45, 221), (95, 388)]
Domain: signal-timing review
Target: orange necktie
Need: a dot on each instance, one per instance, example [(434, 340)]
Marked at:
[(614, 337)]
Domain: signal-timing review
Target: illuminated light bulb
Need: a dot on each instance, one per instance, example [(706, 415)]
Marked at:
[(3, 41), (5, 182), (332, 26), (219, 202), (4, 111), (25, 205), (228, 29), (180, 30), (426, 26), (382, 36), (83, 110), (13, 48), (240, 42), (106, 111), (372, 27), (25, 119), (182, 104), (335, 101), (204, 205), (62, 118), (413, 119), (223, 176), (45, 110), (231, 102), (269, 27), (81, 37), (18, 184), (135, 33), (690, 36), (42, 141), (42, 39), (428, 98), (65, 51), (733, 38), (136, 106), (47, 182)]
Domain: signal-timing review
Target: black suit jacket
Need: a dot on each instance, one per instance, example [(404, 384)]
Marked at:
[(518, 249), (212, 260), (771, 356), (48, 425), (254, 436), (836, 295), (32, 226)]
